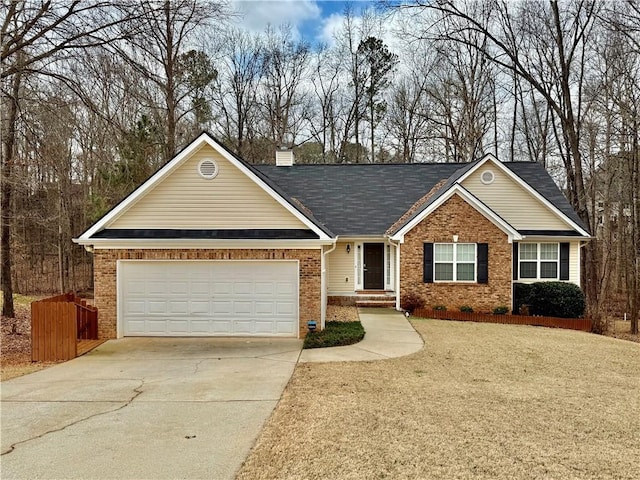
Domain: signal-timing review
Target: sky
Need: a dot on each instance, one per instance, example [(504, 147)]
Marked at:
[(312, 20)]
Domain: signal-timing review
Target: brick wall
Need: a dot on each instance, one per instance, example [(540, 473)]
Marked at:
[(105, 262), (457, 217)]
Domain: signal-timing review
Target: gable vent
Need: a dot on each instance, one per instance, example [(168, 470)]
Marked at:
[(487, 177), (208, 168)]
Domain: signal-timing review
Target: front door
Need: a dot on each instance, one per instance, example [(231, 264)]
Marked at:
[(373, 266)]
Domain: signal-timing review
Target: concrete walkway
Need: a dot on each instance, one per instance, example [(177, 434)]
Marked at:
[(388, 334)]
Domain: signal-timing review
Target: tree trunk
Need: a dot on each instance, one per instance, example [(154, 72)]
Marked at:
[(5, 202)]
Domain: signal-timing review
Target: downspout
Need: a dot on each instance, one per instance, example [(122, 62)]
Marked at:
[(397, 272), (323, 283)]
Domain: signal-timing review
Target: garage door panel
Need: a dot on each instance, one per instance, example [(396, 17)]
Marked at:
[(242, 308), (285, 328), (222, 307), (157, 287), (200, 287), (286, 289), (264, 288), (285, 308), (221, 326), (265, 308), (220, 288), (178, 307), (264, 327), (243, 288), (183, 298), (243, 326)]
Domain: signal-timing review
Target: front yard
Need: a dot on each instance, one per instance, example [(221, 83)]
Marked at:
[(479, 401)]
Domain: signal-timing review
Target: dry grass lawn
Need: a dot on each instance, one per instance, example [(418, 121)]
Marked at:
[(480, 401)]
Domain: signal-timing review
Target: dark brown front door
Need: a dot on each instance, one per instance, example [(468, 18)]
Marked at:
[(373, 266)]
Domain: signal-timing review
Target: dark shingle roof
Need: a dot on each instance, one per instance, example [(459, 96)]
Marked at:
[(367, 199)]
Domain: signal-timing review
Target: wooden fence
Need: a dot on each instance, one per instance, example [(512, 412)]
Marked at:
[(583, 324), (57, 324)]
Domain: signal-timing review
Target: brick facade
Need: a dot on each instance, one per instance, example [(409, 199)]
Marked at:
[(457, 217), (105, 262)]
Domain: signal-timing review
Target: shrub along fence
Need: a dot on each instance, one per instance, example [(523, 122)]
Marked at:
[(583, 324), (57, 324)]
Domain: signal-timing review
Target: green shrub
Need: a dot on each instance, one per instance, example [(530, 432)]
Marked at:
[(501, 310), (466, 309), (441, 308), (521, 296), (335, 334), (556, 299), (411, 302)]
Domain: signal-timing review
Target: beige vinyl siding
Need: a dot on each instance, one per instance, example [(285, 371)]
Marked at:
[(185, 200), (340, 269), (574, 262), (512, 202)]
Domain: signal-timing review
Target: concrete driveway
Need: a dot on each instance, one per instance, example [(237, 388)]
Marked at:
[(145, 408)]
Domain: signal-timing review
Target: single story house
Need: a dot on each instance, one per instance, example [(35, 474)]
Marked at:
[(211, 245)]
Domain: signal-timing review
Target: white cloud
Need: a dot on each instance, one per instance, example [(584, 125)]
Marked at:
[(256, 15)]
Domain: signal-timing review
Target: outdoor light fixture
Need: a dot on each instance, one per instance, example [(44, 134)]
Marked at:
[(455, 239), (311, 325), (348, 248)]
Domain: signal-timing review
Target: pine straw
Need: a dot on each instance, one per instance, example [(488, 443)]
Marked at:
[(342, 313), (479, 401)]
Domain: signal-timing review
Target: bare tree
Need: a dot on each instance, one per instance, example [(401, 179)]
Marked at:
[(160, 53), (285, 62), (235, 89), (36, 35)]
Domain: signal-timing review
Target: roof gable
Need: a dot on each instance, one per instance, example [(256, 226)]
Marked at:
[(509, 191), (177, 197), (444, 194)]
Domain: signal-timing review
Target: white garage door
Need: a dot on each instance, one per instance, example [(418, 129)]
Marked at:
[(208, 298)]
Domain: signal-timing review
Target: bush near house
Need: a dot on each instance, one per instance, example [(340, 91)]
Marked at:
[(335, 334), (554, 299), (411, 302)]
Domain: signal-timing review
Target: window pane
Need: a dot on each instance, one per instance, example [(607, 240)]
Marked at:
[(465, 271), (548, 270), (528, 270), (443, 252), (466, 252), (444, 271), (528, 251), (548, 251)]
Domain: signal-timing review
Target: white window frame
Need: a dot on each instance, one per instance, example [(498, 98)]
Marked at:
[(455, 263), (538, 261)]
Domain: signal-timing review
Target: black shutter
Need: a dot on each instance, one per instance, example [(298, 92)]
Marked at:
[(515, 261), (427, 271), (564, 261), (483, 263)]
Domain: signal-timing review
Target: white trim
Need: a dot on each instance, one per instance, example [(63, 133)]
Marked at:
[(119, 286), (397, 273), (169, 167), (323, 284), (454, 262), (145, 243), (489, 181), (471, 200), (498, 164), (538, 261)]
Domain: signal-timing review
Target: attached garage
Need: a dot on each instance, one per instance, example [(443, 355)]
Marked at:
[(208, 298)]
